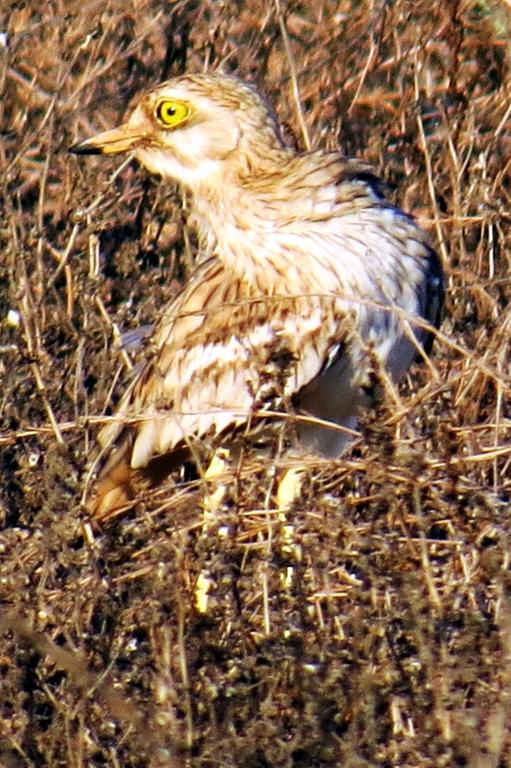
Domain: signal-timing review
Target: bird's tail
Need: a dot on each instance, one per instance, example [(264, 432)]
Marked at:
[(113, 491)]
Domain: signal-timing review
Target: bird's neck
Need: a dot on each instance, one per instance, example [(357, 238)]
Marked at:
[(249, 221)]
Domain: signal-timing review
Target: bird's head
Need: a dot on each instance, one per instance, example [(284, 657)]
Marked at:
[(193, 129)]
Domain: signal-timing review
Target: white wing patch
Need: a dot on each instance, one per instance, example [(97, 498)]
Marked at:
[(208, 388)]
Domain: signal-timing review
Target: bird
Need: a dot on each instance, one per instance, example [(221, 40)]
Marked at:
[(307, 278)]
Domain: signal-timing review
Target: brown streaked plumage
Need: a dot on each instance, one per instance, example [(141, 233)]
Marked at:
[(307, 276)]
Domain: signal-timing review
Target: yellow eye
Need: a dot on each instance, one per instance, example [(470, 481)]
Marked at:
[(170, 113)]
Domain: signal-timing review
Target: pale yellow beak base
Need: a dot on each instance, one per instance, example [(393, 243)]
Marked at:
[(110, 142)]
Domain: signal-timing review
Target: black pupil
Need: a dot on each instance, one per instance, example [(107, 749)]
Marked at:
[(169, 110)]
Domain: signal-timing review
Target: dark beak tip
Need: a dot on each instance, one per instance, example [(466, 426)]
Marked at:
[(83, 148)]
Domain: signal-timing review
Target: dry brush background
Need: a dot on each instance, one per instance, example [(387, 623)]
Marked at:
[(370, 624)]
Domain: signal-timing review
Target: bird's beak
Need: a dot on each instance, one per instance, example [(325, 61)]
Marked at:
[(110, 142)]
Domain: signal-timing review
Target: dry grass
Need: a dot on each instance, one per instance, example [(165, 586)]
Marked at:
[(370, 625)]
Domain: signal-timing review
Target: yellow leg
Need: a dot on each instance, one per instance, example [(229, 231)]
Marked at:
[(288, 491), (217, 469), (290, 488)]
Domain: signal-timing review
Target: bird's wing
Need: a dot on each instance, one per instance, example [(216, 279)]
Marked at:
[(221, 352)]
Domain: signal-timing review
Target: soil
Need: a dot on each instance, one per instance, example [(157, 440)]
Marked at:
[(370, 623)]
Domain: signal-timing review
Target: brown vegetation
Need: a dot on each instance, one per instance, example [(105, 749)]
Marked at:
[(370, 624)]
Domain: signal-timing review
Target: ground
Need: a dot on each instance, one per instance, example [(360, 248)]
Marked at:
[(369, 624)]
